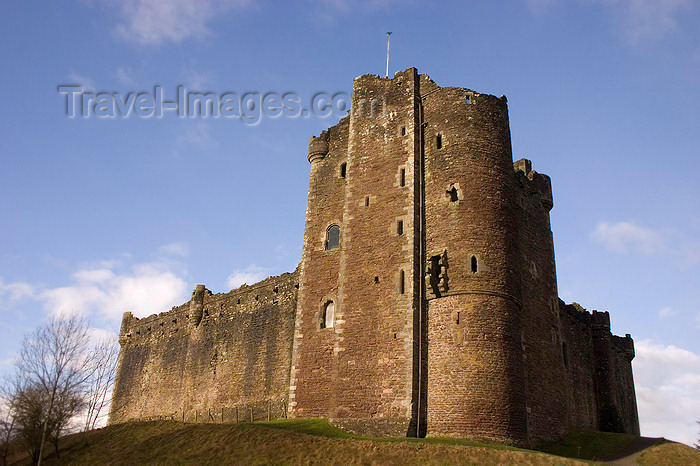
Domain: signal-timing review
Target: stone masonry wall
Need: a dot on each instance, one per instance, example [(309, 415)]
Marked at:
[(232, 364), (475, 376), (540, 332), (361, 365), (598, 376)]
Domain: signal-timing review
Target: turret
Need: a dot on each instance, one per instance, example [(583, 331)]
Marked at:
[(318, 147), (197, 305), (124, 330)]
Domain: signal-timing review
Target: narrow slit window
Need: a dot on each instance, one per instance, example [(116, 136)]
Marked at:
[(457, 318), (333, 237), (403, 131), (402, 282), (399, 227), (366, 201), (403, 177), (438, 141), (454, 195), (376, 279), (328, 315), (343, 169), (475, 264)]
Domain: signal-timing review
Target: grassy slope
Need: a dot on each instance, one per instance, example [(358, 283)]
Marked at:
[(670, 453), (303, 441), (591, 445)]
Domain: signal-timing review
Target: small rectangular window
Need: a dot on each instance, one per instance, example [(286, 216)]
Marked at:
[(403, 177), (366, 201), (403, 131), (399, 227), (469, 99), (438, 141), (402, 282), (343, 169)]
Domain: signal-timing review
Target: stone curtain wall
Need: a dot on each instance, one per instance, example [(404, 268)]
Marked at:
[(598, 376), (236, 359)]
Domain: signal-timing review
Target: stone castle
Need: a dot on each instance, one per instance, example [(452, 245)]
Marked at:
[(425, 301)]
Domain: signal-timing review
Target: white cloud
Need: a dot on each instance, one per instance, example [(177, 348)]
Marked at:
[(153, 22), (104, 290), (627, 237), (667, 312), (86, 83), (250, 275), (12, 292), (143, 289), (193, 78), (175, 249), (647, 19), (667, 380), (196, 134), (124, 76), (634, 20)]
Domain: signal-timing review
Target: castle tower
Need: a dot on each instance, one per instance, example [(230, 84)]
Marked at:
[(476, 377), (354, 340), (427, 277)]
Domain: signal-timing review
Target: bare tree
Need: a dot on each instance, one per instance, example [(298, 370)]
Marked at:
[(7, 424), (29, 406), (102, 372), (53, 366)]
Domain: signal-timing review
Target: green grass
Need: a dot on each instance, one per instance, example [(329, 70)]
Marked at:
[(670, 454), (323, 428), (319, 427), (314, 441), (591, 445)]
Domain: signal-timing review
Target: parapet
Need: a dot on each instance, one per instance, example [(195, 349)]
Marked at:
[(601, 320)]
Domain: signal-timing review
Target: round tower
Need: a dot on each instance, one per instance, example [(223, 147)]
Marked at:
[(472, 282), (318, 147)]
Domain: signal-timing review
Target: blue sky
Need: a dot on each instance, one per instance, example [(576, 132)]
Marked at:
[(103, 215)]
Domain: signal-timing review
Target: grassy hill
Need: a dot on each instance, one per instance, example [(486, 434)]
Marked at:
[(314, 441)]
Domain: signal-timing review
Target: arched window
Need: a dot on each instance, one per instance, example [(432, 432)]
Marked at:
[(328, 313), (475, 265), (333, 237)]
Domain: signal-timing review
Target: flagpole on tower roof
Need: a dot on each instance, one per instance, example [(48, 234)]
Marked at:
[(387, 54)]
